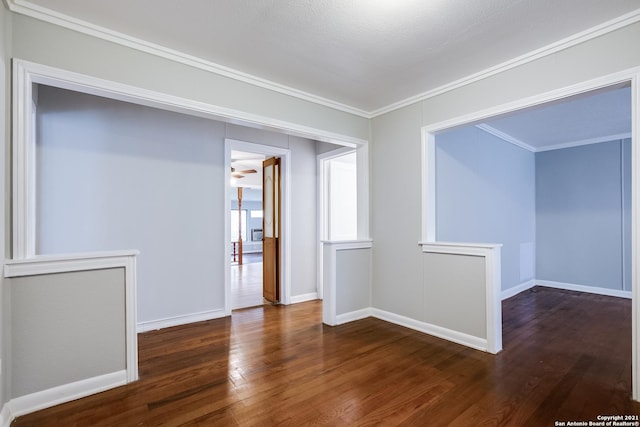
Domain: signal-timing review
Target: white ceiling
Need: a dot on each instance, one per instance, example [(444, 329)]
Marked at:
[(241, 161), (369, 55), (591, 117)]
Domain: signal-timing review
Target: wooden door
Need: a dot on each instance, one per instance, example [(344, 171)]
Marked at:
[(271, 229)]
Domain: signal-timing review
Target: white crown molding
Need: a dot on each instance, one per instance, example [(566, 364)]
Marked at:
[(588, 141), (591, 33), (47, 15), (510, 139), (505, 137)]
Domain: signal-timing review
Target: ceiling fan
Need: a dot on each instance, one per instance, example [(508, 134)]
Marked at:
[(241, 173)]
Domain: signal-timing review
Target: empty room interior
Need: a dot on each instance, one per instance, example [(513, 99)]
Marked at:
[(319, 213)]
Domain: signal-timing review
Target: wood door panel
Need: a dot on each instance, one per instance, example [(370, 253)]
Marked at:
[(271, 229)]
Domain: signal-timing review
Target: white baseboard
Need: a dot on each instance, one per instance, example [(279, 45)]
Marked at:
[(508, 293), (6, 418), (353, 316), (65, 393), (153, 325), (583, 288), (295, 299), (427, 328)]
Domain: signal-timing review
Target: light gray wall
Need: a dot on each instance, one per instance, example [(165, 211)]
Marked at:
[(114, 176), (353, 289), (485, 193), (57, 339), (583, 209), (455, 292), (399, 279), (396, 209), (84, 54), (304, 212), (5, 138)]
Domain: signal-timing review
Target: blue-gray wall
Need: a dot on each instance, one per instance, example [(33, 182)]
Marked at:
[(583, 203), (485, 194)]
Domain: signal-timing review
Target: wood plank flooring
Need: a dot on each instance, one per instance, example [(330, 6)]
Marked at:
[(246, 285), (567, 357)]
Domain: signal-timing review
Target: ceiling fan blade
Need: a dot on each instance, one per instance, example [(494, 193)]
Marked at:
[(246, 171), (237, 175)]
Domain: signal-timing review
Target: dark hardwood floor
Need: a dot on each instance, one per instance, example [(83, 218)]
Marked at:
[(567, 357)]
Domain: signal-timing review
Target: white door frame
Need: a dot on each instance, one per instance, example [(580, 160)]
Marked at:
[(631, 76), (323, 195), (285, 242)]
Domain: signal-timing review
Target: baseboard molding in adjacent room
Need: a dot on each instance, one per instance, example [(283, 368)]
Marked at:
[(65, 393), (353, 316), (427, 328), (584, 288), (304, 298), (511, 292), (153, 325)]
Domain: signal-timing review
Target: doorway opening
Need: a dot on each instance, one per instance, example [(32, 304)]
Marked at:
[(246, 217), (525, 261), (256, 275)]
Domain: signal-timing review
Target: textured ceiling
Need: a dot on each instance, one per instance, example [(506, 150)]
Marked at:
[(366, 54)]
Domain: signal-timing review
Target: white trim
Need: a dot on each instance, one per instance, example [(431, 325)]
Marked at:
[(584, 288), (285, 238), (353, 316), (65, 21), (49, 264), (87, 262), (492, 259), (505, 137), (23, 164), (576, 39), (459, 248), (427, 328), (296, 299), (635, 237), (515, 290), (569, 144), (322, 203), (609, 80), (65, 393), (428, 187), (589, 141), (168, 322), (6, 417)]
